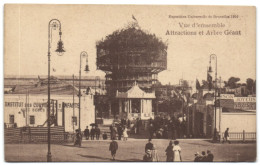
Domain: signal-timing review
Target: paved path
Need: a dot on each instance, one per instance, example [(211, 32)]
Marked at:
[(131, 150)]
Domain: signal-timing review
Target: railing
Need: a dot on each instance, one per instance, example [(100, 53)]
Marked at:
[(241, 136), (34, 135)]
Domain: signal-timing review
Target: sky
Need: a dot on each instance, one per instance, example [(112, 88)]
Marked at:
[(26, 38)]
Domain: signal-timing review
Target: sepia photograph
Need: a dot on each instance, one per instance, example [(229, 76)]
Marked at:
[(129, 83)]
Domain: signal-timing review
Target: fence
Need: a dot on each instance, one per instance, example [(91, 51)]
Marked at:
[(241, 136), (35, 135)]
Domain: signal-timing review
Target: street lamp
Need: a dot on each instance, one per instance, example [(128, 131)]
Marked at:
[(53, 24), (212, 57), (82, 54)]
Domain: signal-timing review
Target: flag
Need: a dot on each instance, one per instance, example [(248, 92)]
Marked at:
[(197, 84), (134, 17), (54, 70), (209, 78)]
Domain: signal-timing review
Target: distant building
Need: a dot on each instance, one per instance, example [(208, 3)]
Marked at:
[(27, 106), (11, 82)]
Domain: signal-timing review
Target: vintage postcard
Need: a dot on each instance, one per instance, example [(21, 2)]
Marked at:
[(129, 83)]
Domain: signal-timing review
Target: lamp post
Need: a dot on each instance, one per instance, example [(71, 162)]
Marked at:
[(82, 54), (213, 56), (53, 24)]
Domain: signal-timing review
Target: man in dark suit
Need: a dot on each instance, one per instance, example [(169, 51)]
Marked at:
[(92, 133), (149, 145), (86, 133)]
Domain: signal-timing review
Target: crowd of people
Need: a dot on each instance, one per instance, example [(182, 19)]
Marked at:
[(160, 127), (118, 131), (203, 157), (173, 152), (167, 128), (93, 133)]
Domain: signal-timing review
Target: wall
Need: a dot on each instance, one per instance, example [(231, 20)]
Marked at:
[(37, 106), (237, 122)]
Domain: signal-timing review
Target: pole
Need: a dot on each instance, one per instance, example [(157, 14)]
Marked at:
[(49, 156), (49, 159), (81, 54), (215, 105), (26, 109), (73, 104), (79, 89)]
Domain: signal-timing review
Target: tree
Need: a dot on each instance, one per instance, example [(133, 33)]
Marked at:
[(232, 82), (250, 85), (254, 87)]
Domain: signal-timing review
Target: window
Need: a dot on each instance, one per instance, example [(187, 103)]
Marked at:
[(74, 120), (11, 119), (32, 119)]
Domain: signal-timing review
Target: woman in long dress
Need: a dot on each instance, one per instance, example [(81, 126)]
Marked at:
[(125, 135), (169, 152), (176, 152), (154, 154)]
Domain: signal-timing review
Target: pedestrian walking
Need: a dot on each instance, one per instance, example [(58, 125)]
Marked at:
[(169, 152), (125, 135), (92, 133), (210, 156), (113, 147), (154, 154), (226, 136), (97, 131), (138, 125), (176, 152), (149, 145), (113, 133), (119, 131), (86, 133), (78, 138), (151, 130)]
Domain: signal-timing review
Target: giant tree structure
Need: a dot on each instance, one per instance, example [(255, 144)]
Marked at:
[(131, 55)]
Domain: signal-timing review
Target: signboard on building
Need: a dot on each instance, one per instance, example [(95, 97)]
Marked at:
[(245, 103), (245, 99), (226, 96)]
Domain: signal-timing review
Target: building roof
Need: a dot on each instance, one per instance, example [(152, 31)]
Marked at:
[(57, 87), (135, 92)]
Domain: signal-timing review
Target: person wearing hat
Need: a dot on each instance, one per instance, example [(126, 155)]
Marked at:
[(78, 138), (197, 157), (113, 147), (147, 156), (176, 152), (169, 152), (149, 145), (154, 154), (92, 133), (210, 156), (204, 157)]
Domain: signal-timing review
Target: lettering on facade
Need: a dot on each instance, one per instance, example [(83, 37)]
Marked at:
[(14, 104), (226, 96), (245, 99), (245, 105)]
